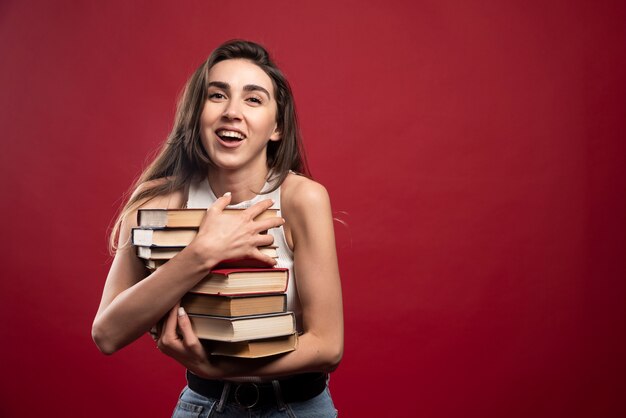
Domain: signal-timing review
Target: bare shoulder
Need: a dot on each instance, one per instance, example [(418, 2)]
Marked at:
[(174, 199), (301, 195)]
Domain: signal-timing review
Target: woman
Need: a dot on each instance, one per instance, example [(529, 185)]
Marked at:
[(236, 136)]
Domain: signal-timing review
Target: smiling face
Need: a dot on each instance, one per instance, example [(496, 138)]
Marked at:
[(239, 116)]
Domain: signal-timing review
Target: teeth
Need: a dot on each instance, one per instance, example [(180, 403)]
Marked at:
[(231, 134)]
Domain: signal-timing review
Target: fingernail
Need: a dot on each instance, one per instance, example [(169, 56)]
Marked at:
[(226, 194), (272, 200), (181, 311)]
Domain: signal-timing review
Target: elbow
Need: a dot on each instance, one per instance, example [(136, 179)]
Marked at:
[(103, 342), (332, 359)]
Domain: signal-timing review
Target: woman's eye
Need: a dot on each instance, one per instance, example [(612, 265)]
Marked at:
[(216, 96), (255, 100)]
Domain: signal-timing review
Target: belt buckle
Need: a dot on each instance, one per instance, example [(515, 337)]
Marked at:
[(247, 395)]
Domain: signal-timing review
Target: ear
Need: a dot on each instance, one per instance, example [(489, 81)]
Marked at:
[(276, 134)]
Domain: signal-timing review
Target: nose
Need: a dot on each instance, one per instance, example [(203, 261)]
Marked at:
[(232, 110)]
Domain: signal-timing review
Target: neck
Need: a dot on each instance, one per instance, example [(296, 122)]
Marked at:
[(243, 185)]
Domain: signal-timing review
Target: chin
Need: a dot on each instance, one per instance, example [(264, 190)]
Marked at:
[(228, 165)]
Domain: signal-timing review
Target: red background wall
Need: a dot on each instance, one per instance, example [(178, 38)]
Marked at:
[(475, 151)]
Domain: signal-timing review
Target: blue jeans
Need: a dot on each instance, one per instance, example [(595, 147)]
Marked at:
[(193, 405)]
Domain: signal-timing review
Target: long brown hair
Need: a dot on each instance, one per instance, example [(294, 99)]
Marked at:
[(183, 159)]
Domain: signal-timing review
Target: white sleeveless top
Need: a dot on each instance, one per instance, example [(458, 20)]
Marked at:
[(201, 196)]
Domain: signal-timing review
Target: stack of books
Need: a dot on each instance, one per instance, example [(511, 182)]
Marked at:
[(240, 308)]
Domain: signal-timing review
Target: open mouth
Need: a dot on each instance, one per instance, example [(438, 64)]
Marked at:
[(230, 137)]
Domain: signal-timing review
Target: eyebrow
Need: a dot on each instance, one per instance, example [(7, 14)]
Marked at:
[(247, 87)]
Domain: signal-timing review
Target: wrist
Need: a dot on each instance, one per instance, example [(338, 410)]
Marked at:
[(207, 370), (201, 257)]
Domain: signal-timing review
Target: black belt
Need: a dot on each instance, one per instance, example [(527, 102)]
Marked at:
[(297, 388)]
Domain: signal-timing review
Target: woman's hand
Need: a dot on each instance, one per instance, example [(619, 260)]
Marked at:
[(179, 341), (232, 237)]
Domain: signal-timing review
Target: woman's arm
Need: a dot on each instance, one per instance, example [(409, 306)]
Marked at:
[(316, 268), (306, 207), (132, 304)]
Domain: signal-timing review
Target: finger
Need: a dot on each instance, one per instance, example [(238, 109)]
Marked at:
[(169, 328), (222, 202), (168, 340), (264, 258), (263, 240), (186, 329), (269, 223), (260, 207)]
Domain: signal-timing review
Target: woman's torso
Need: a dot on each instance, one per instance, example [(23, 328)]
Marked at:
[(200, 195)]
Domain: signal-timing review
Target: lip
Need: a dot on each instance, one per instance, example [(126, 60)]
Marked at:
[(229, 144)]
